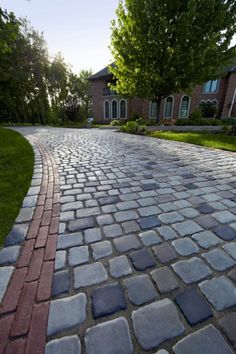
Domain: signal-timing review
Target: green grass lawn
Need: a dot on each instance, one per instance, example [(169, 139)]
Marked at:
[(217, 141), (16, 169)]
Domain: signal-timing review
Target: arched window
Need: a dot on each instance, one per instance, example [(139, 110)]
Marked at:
[(153, 109), (184, 107), (114, 109), (168, 107), (123, 109), (106, 110)]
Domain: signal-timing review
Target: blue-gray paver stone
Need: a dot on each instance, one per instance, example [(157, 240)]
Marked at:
[(206, 239), (167, 232), (171, 218), (126, 243), (156, 323), (189, 212), (66, 313), (150, 238), (78, 255), (224, 217), (64, 345), (16, 235), (113, 230), (30, 201), (60, 283), (188, 227), (25, 214), (207, 340), (205, 208), (126, 215), (220, 292), (218, 259), (191, 270), (81, 224), (60, 260), (225, 232), (109, 337), (5, 275), (230, 248), (108, 299), (119, 266), (185, 246), (140, 289), (90, 274), (149, 222), (92, 235), (9, 255), (101, 249), (69, 240)]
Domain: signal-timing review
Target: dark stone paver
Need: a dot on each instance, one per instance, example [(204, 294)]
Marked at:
[(60, 283), (149, 222), (165, 253), (225, 232), (142, 259), (193, 305), (165, 280), (228, 324), (108, 299)]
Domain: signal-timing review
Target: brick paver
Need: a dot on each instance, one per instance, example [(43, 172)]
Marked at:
[(124, 244)]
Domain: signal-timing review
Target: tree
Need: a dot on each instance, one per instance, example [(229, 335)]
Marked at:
[(162, 47)]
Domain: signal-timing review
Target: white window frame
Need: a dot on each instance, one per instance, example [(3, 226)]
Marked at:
[(104, 109), (189, 97), (117, 113), (211, 92), (172, 108), (126, 108)]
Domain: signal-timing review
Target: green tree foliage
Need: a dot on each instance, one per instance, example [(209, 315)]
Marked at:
[(164, 46), (33, 88)]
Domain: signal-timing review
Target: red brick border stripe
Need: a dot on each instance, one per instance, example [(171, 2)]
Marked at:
[(25, 307)]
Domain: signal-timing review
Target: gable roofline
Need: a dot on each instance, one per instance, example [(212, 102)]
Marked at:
[(102, 73)]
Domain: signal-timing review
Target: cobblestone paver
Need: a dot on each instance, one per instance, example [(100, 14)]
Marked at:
[(143, 234)]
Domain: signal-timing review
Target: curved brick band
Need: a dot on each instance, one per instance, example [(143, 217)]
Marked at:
[(25, 306)]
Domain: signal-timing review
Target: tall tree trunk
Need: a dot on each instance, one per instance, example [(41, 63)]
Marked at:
[(158, 100)]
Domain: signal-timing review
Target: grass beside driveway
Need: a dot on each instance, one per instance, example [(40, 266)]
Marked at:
[(16, 169), (217, 141)]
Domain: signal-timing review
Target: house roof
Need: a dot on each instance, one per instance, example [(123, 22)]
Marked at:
[(102, 73), (105, 72)]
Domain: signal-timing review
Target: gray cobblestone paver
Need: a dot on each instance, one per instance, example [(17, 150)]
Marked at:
[(207, 340), (122, 194), (64, 345)]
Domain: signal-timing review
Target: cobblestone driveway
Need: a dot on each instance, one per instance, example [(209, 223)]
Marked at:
[(146, 250)]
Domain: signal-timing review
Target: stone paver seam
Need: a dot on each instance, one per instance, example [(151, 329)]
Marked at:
[(30, 285)]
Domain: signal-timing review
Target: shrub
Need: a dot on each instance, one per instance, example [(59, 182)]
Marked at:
[(115, 123), (229, 121), (151, 122), (195, 115), (133, 128), (140, 121), (198, 122), (208, 109)]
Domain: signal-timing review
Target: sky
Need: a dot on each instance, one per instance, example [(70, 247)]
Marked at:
[(79, 29)]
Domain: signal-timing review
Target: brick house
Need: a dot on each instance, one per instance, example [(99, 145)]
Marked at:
[(108, 105)]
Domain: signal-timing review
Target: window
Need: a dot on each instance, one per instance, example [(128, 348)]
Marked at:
[(114, 109), (106, 110), (122, 109), (211, 86), (168, 107), (153, 109), (184, 107)]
